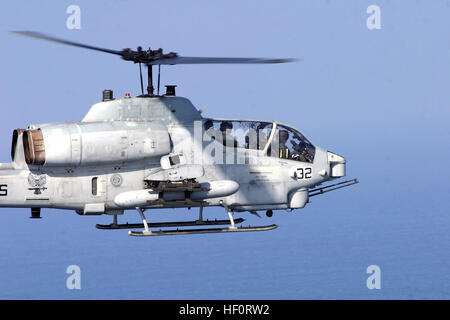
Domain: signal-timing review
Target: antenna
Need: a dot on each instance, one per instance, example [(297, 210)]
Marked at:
[(142, 82), (150, 80), (159, 76)]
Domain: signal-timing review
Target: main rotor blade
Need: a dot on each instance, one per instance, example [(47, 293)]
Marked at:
[(42, 36), (155, 57), (212, 60)]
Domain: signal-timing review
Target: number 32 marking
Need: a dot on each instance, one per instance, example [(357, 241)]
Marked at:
[(304, 173)]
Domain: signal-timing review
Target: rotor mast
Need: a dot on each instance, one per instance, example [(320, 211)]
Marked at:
[(150, 88)]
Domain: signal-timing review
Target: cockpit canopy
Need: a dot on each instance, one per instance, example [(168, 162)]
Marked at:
[(293, 145), (239, 134), (285, 142)]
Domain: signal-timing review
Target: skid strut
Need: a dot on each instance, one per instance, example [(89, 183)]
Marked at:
[(200, 215), (146, 230), (230, 215)]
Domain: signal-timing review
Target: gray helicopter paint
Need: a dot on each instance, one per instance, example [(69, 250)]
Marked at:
[(168, 110), (98, 143), (270, 185)]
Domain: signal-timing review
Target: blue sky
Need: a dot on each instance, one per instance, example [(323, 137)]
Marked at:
[(380, 98)]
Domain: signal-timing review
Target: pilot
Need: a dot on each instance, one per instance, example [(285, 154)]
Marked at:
[(210, 134), (224, 125), (262, 137), (300, 152), (228, 139), (208, 124), (283, 138)]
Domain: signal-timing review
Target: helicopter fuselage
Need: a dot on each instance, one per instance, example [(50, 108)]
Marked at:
[(159, 152)]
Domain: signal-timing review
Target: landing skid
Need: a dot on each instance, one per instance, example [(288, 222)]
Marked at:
[(200, 222), (165, 224), (200, 231)]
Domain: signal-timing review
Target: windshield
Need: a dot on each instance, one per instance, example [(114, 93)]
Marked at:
[(290, 144), (239, 134)]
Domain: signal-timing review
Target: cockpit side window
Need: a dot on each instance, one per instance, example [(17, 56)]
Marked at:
[(291, 144), (239, 134)]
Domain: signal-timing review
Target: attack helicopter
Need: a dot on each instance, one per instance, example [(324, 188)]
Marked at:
[(158, 151)]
